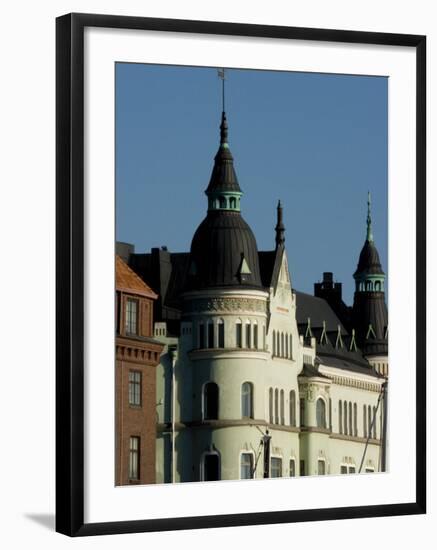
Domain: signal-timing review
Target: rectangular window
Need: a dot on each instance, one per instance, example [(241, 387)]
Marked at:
[(131, 316), (221, 335), (352, 469), (255, 336), (292, 468), (264, 337), (246, 469), (302, 411), (275, 467), (370, 470), (321, 467), (210, 335), (343, 469), (134, 458), (238, 335), (302, 467), (248, 339), (134, 387)]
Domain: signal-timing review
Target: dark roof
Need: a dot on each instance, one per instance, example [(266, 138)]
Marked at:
[(310, 371), (319, 311), (369, 262), (345, 359), (223, 177), (218, 247)]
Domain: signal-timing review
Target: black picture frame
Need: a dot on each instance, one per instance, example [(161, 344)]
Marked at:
[(70, 273)]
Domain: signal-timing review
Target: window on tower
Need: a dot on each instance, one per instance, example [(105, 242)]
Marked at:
[(239, 334), (210, 401), (221, 333), (247, 400)]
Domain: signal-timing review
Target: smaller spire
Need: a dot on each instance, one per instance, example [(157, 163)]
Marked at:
[(280, 228), (369, 236)]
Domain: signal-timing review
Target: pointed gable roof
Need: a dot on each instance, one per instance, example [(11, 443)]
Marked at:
[(126, 280)]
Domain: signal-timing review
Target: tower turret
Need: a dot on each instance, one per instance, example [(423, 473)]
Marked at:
[(369, 314)]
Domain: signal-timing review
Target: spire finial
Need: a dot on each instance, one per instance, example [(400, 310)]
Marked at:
[(280, 228), (224, 124), (221, 75), (369, 235)]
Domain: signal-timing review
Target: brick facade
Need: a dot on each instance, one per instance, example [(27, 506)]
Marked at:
[(136, 409)]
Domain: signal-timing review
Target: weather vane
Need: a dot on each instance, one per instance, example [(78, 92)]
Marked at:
[(221, 74)]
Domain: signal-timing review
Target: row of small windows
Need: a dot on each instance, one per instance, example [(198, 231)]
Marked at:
[(212, 335), (277, 407), (225, 202), (282, 345), (348, 419), (211, 467), (371, 286)]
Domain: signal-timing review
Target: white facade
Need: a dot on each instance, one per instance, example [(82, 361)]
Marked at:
[(240, 371)]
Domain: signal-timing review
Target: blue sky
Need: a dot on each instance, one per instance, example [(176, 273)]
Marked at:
[(317, 142)]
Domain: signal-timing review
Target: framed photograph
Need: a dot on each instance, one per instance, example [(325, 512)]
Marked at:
[(240, 274)]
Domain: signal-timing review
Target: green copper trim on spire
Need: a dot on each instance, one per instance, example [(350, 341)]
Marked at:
[(369, 236)]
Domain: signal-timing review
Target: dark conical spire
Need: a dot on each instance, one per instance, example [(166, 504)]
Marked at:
[(280, 228), (369, 312), (223, 177)]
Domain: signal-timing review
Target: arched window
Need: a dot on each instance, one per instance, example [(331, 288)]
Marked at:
[(221, 333), (248, 335), (282, 407), (374, 422), (278, 344), (247, 400), (364, 421), (350, 418), (201, 335), (345, 418), (355, 420), (378, 286), (264, 337), (321, 413), (271, 405), (330, 414), (368, 285), (239, 334), (274, 343), (255, 335), (369, 420), (286, 346), (276, 406), (210, 401), (292, 408), (232, 202), (222, 202), (210, 334), (282, 344), (211, 467), (340, 417)]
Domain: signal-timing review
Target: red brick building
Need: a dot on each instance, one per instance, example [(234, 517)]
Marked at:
[(137, 355)]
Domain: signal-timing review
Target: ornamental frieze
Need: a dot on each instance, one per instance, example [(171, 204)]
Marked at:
[(228, 305)]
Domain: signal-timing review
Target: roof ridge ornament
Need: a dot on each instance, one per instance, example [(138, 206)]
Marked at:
[(339, 339)]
